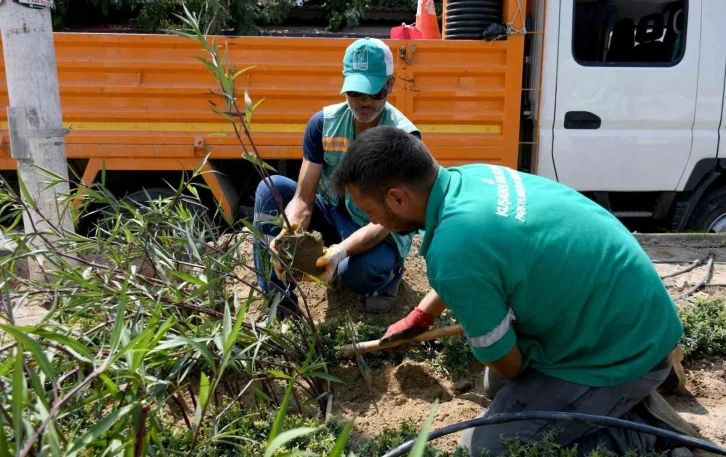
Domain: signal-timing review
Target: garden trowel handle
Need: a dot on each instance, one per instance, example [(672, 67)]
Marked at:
[(376, 345)]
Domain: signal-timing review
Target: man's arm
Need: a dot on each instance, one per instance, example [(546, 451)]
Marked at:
[(300, 208), (509, 365), (431, 307), (364, 239), (432, 304)]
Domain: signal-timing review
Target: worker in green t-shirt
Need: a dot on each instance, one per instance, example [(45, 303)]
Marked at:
[(556, 297)]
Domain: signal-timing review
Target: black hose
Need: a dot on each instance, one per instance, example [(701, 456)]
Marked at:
[(577, 417), (468, 19)]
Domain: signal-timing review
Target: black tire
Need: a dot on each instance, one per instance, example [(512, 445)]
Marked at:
[(143, 197), (710, 213)]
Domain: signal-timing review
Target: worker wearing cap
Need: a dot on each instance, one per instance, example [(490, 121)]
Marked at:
[(367, 257), (555, 296)]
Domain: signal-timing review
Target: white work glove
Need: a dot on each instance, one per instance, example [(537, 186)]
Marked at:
[(330, 259)]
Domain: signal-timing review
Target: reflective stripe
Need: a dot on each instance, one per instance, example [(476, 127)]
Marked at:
[(495, 335), (335, 144)]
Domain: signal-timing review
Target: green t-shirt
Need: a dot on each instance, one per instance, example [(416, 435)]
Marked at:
[(522, 259)]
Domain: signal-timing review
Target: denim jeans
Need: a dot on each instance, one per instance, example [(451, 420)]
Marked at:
[(369, 273)]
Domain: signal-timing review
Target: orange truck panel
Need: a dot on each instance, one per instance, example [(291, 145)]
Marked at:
[(145, 97)]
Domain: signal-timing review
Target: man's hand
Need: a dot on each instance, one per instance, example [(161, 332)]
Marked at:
[(275, 264), (330, 259), (409, 327)]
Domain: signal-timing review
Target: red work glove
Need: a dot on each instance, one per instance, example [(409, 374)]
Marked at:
[(409, 327)]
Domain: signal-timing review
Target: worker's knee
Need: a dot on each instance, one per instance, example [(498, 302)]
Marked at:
[(266, 209), (264, 198), (370, 272), (478, 440)]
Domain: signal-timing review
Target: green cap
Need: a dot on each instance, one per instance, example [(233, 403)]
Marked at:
[(367, 64)]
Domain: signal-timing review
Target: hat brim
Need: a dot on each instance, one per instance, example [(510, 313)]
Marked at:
[(361, 83)]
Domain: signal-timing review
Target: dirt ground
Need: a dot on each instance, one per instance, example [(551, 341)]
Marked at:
[(407, 391)]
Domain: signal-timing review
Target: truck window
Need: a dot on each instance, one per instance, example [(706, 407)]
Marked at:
[(629, 33)]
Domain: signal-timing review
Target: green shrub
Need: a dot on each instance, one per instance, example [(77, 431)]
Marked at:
[(704, 328)]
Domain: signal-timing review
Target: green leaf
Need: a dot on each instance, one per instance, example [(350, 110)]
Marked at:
[(280, 417), (27, 198), (112, 387), (20, 334), (225, 115), (289, 435), (244, 70), (99, 429), (118, 325), (342, 440), (202, 400), (4, 446), (326, 376), (420, 445), (186, 277), (227, 329), (254, 107), (277, 374), (20, 393), (252, 229), (256, 160)]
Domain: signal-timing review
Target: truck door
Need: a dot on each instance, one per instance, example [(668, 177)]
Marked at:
[(627, 76)]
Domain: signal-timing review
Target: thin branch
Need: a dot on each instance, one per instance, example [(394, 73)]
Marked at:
[(141, 432), (183, 410)]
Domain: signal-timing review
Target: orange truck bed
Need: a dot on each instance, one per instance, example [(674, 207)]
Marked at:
[(140, 102)]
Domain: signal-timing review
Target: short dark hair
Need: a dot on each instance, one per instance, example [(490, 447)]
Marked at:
[(382, 157)]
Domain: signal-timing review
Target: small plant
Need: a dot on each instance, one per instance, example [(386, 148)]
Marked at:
[(452, 355)]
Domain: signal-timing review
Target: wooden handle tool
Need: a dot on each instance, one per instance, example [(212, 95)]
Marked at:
[(376, 345)]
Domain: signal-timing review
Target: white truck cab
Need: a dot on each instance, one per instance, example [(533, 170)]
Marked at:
[(631, 109)]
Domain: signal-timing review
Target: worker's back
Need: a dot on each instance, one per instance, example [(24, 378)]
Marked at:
[(582, 297)]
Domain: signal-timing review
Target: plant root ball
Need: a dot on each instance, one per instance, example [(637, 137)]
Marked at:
[(300, 251)]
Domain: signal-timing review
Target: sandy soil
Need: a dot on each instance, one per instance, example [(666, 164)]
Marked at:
[(407, 391)]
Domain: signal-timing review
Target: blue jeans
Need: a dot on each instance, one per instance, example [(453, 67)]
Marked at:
[(370, 273)]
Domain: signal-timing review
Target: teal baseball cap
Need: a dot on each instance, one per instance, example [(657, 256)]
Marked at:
[(367, 65)]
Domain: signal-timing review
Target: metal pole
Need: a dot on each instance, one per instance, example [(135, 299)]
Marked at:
[(34, 115)]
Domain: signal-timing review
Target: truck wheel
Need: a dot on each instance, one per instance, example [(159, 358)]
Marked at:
[(709, 216), (143, 197)]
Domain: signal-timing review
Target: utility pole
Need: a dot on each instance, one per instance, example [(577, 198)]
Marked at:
[(35, 123)]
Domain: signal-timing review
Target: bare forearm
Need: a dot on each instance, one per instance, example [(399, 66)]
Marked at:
[(300, 211), (300, 208), (364, 239), (432, 304)]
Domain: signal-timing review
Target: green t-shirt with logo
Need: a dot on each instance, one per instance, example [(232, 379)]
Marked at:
[(522, 259)]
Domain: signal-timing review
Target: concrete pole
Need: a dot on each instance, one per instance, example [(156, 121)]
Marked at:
[(34, 115)]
